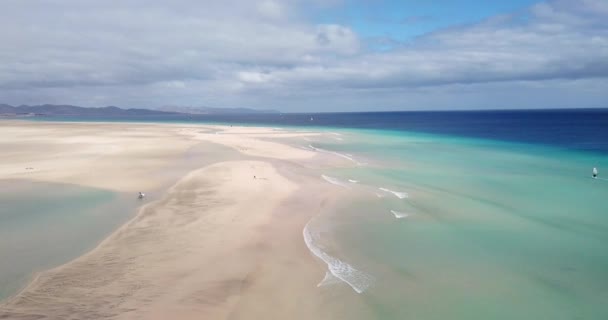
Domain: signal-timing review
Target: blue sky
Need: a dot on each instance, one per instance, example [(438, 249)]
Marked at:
[(306, 55), (403, 20)]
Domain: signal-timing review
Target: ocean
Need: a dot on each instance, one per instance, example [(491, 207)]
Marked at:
[(444, 227), (581, 129), (460, 215)]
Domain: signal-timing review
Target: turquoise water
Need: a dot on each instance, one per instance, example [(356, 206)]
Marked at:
[(489, 230), (43, 225)]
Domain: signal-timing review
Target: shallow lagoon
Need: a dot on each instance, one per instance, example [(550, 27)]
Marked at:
[(43, 225)]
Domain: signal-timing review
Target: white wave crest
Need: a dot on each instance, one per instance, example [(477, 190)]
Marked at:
[(329, 279), (353, 181), (357, 280), (338, 154), (400, 215), (335, 181), (400, 195)]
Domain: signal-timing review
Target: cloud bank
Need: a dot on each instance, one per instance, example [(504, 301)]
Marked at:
[(270, 54)]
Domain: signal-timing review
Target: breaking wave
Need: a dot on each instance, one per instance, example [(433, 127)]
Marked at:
[(357, 280), (335, 181), (399, 215), (400, 195), (342, 155)]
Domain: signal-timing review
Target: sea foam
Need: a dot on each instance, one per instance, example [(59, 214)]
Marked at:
[(400, 195), (335, 181), (337, 136), (399, 215), (357, 280), (329, 279), (342, 155)]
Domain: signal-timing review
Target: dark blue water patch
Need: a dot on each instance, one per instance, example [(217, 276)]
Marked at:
[(579, 129)]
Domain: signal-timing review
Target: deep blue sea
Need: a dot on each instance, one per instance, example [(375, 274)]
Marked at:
[(580, 129)]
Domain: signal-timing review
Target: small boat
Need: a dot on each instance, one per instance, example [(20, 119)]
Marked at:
[(594, 172)]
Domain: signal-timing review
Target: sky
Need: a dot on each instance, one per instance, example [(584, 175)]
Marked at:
[(306, 56)]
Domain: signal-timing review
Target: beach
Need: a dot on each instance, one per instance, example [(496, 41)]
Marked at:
[(220, 240), (298, 160), (256, 221)]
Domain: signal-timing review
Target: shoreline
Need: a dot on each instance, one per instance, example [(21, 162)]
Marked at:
[(472, 206), (260, 156), (32, 283)]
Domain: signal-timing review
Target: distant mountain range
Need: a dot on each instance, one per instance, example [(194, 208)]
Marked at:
[(65, 110), (210, 110)]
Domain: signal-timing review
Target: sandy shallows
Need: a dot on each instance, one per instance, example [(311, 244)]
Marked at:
[(119, 157), (195, 253), (219, 244), (124, 157)]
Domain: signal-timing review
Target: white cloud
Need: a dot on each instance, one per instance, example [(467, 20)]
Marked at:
[(271, 9), (254, 77), (268, 54)]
